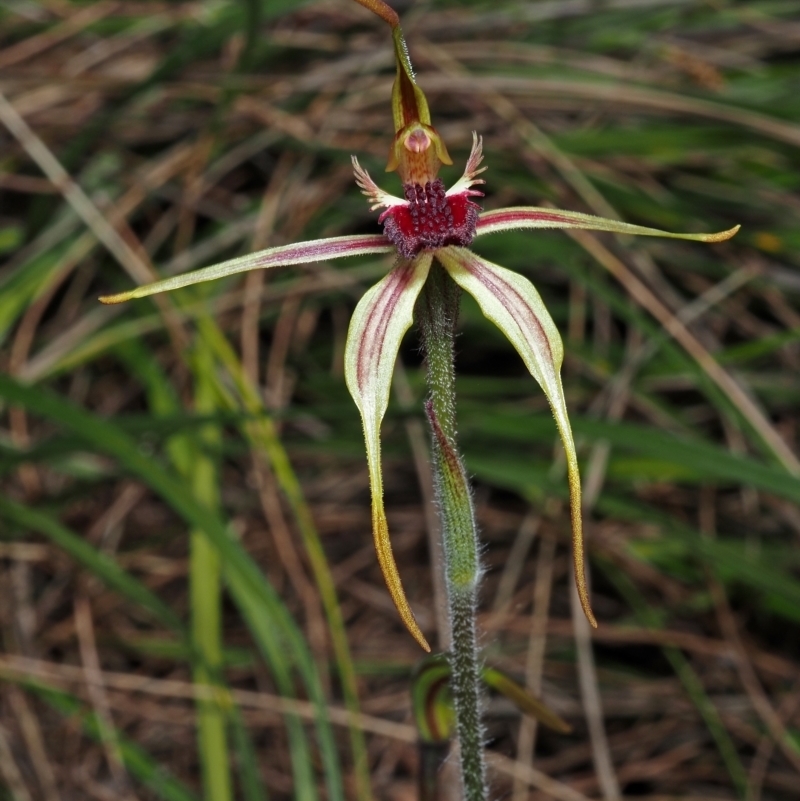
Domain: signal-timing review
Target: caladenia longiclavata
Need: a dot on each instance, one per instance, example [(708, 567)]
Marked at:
[(429, 230)]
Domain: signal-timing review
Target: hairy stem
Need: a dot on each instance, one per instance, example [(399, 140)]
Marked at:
[(437, 312)]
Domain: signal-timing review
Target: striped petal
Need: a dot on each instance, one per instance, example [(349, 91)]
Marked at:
[(299, 253), (378, 324), (512, 303), (491, 222)]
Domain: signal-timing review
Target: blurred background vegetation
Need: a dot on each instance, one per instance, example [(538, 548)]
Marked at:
[(191, 607)]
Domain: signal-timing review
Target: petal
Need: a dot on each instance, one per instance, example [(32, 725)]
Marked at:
[(465, 183), (512, 303), (299, 253), (532, 217), (377, 197), (379, 322)]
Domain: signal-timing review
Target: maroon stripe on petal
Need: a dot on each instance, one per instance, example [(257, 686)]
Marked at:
[(524, 317), (518, 217), (332, 248), (373, 333)]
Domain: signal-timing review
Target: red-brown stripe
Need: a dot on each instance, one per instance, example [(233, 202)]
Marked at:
[(332, 248), (505, 291), (507, 217), (373, 333)]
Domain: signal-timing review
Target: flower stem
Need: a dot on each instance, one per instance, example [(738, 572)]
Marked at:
[(437, 312)]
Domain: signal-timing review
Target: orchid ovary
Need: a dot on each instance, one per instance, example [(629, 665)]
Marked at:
[(427, 223)]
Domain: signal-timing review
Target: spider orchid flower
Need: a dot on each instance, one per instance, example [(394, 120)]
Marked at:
[(430, 222)]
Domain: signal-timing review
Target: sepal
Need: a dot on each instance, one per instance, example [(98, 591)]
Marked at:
[(336, 247), (380, 320)]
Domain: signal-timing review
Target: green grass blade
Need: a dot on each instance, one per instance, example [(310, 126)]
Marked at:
[(270, 622), (138, 763), (249, 777), (205, 592), (771, 578), (183, 453), (99, 564), (688, 677), (261, 432), (704, 460)]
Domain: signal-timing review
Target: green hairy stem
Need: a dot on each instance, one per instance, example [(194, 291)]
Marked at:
[(437, 313)]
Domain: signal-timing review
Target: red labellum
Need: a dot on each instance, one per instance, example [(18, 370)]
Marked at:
[(431, 219)]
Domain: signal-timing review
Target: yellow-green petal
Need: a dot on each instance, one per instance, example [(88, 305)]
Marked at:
[(377, 327)]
